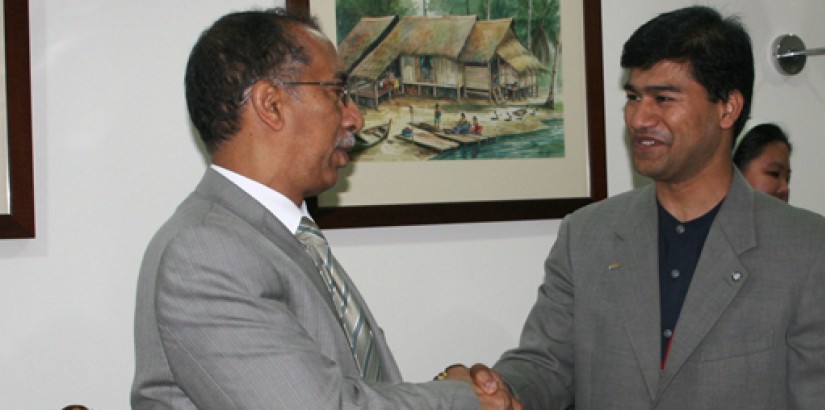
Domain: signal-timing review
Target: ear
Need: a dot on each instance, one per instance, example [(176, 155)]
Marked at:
[(267, 102), (731, 109)]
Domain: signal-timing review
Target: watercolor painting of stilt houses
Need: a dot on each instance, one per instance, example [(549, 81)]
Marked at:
[(447, 86)]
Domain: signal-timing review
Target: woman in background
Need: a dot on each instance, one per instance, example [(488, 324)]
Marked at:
[(763, 155)]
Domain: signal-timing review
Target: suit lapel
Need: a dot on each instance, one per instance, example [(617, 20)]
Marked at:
[(217, 188), (634, 267), (718, 277), (273, 229)]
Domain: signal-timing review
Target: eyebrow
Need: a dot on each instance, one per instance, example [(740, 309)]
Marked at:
[(652, 89)]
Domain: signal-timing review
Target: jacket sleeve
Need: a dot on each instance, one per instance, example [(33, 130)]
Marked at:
[(806, 339), (229, 326), (540, 370)]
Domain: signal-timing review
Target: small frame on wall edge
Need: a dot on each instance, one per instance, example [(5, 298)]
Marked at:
[(587, 122), (17, 195)]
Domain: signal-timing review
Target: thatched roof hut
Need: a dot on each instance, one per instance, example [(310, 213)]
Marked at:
[(417, 35), (496, 37), (441, 56), (363, 38), (461, 38)]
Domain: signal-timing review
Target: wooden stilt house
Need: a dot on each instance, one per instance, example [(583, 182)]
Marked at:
[(440, 57)]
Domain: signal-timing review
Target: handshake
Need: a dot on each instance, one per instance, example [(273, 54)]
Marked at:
[(492, 392)]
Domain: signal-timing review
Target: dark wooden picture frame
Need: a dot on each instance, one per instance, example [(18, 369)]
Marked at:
[(19, 222), (504, 210)]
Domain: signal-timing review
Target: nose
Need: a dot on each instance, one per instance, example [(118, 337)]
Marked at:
[(639, 114), (784, 190), (352, 119)]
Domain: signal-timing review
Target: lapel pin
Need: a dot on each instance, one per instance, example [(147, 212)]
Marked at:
[(736, 276), (614, 265)]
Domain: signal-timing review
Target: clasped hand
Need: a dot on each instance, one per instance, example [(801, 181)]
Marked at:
[(492, 392)]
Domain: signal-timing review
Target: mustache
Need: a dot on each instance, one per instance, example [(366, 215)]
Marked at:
[(345, 142), (650, 133)]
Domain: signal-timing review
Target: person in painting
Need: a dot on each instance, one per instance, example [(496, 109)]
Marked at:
[(437, 117), (394, 83), (426, 68), (763, 155), (476, 127), (240, 304), (462, 126), (694, 292), (388, 83)]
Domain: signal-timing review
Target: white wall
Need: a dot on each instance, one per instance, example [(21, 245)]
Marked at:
[(115, 153)]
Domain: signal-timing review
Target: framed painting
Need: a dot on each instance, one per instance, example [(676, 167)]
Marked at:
[(472, 112), (16, 174)]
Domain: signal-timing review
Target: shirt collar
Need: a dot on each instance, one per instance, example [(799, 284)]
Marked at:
[(274, 201)]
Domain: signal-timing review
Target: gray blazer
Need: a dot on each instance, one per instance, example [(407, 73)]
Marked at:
[(751, 334), (231, 314)]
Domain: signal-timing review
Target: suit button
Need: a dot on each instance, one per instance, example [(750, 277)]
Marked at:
[(667, 333)]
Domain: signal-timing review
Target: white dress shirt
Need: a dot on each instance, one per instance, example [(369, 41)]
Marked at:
[(280, 206)]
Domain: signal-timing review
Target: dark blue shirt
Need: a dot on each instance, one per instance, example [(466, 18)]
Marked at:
[(680, 244)]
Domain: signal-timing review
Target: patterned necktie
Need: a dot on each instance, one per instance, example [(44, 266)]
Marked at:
[(350, 314)]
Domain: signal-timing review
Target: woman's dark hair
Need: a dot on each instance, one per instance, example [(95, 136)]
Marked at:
[(753, 143), (229, 57), (717, 49)]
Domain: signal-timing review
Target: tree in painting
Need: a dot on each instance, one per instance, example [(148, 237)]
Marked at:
[(348, 12), (536, 21)]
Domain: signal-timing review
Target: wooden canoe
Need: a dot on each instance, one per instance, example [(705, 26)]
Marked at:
[(370, 136)]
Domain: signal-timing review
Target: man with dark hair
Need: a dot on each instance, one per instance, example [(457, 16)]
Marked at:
[(240, 303), (718, 52), (694, 292)]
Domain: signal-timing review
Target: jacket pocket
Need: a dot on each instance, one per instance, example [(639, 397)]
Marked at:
[(730, 345)]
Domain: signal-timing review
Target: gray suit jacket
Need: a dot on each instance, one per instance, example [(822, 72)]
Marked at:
[(751, 334), (232, 314)]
